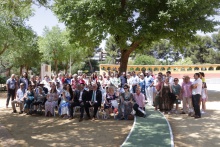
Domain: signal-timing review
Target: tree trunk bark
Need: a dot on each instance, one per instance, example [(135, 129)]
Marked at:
[(56, 68), (21, 70), (91, 69), (66, 68), (125, 53), (4, 48), (123, 61)]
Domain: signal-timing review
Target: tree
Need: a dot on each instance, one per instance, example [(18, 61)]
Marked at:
[(202, 51), (57, 50), (12, 21), (165, 51), (144, 60), (113, 50), (25, 54), (135, 23), (186, 61)]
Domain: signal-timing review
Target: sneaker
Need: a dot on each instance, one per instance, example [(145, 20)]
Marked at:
[(183, 112), (202, 112), (20, 112)]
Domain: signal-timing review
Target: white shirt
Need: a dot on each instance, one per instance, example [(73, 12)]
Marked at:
[(171, 80), (80, 96), (198, 89), (135, 80), (20, 94)]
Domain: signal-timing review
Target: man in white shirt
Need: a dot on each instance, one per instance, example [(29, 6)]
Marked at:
[(19, 99), (196, 94), (149, 81), (134, 81), (168, 73)]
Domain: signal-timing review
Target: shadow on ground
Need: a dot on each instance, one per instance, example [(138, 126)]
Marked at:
[(55, 131), (203, 132)]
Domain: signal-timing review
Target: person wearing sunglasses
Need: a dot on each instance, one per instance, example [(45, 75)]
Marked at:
[(126, 103)]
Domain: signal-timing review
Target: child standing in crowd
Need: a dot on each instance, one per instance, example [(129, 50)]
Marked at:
[(204, 97)]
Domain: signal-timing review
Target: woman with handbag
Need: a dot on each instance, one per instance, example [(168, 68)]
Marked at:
[(126, 103), (110, 101)]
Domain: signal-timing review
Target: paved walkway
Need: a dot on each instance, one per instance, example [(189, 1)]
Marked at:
[(152, 131)]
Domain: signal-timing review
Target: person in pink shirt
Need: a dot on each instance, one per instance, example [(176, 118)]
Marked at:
[(187, 96), (139, 106)]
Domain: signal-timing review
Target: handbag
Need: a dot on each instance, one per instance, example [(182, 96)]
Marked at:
[(130, 117), (114, 103)]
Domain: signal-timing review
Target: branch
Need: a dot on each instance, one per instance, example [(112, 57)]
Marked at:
[(132, 47), (123, 4), (4, 48)]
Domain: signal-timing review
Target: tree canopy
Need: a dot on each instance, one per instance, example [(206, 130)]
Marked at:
[(136, 23)]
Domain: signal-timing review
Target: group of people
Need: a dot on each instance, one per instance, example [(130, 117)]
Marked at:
[(108, 93)]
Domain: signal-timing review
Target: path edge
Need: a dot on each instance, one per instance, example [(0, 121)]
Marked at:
[(170, 129), (132, 129)]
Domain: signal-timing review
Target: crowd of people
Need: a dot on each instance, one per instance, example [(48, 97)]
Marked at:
[(110, 93)]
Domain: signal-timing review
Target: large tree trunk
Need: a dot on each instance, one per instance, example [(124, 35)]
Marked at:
[(91, 68), (125, 53), (124, 61), (21, 70), (56, 68), (66, 68)]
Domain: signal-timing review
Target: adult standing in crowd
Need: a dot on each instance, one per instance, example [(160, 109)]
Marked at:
[(135, 81), (187, 96), (74, 82), (196, 94), (158, 87), (68, 79), (168, 75), (123, 79), (25, 80), (142, 83), (149, 81), (59, 79), (165, 100), (11, 89)]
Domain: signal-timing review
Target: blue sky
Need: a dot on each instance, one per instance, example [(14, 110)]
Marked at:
[(43, 17)]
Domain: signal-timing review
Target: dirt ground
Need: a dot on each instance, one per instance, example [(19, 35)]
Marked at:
[(35, 131), (41, 131), (203, 132)]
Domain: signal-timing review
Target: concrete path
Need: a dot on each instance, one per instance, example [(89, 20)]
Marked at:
[(152, 131)]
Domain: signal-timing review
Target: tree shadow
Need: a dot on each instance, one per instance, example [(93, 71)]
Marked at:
[(55, 131)]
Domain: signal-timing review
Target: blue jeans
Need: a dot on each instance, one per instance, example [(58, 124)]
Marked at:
[(196, 104)]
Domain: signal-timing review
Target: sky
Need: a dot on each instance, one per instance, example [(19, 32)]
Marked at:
[(44, 17)]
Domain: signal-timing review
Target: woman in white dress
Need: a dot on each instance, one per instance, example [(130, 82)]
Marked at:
[(51, 102)]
